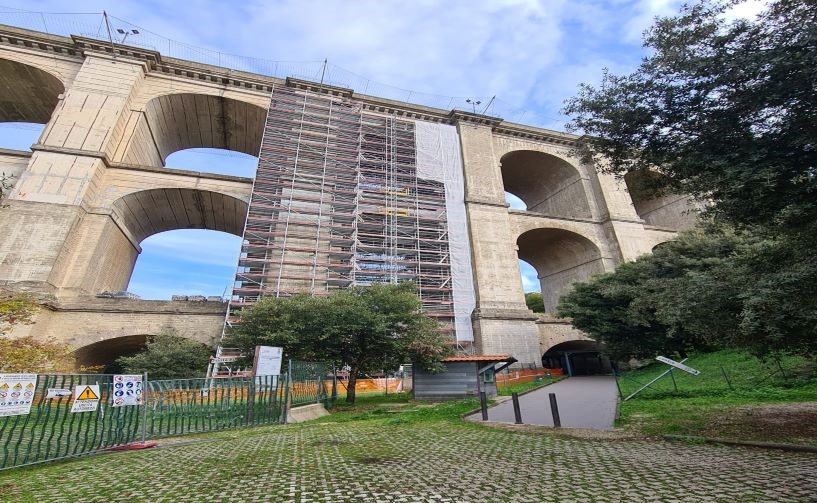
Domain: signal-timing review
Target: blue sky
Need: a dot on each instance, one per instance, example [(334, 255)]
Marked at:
[(530, 54)]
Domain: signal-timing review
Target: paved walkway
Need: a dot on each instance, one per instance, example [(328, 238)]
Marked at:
[(390, 461), (584, 402)]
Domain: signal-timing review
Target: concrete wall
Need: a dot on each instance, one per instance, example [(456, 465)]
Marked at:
[(82, 321)]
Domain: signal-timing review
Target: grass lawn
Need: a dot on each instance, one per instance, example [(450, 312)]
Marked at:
[(754, 400)]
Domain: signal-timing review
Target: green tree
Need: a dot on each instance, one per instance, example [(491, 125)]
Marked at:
[(535, 302), (28, 354), (669, 302), (368, 329), (725, 110), (711, 287), (168, 356)]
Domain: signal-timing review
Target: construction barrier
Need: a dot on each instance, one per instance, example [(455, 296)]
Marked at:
[(50, 417)]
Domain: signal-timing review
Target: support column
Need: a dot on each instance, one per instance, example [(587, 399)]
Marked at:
[(502, 321), (46, 221), (622, 224)]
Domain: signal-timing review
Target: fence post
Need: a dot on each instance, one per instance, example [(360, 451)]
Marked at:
[(554, 410), (728, 382), (517, 412), (334, 383), (483, 405), (144, 406)]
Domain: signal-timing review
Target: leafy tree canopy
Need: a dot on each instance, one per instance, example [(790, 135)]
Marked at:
[(535, 302), (168, 356), (368, 329), (725, 110), (27, 354), (712, 287)]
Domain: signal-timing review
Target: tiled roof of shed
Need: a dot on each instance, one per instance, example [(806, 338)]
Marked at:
[(479, 358)]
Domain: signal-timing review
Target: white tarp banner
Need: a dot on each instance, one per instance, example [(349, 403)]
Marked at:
[(127, 390), (16, 393), (438, 158)]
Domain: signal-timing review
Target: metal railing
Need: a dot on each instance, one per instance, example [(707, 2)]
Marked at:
[(51, 431)]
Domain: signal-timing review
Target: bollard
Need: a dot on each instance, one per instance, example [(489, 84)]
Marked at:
[(517, 412), (554, 410), (483, 404)]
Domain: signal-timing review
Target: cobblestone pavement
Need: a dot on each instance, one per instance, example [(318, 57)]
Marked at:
[(386, 461)]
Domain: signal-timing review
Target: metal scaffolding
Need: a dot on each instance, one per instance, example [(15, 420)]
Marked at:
[(337, 202)]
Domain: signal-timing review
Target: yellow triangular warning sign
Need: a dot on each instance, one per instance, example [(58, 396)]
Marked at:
[(87, 394), (4, 386)]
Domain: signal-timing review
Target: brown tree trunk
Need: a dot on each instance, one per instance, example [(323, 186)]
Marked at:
[(350, 387)]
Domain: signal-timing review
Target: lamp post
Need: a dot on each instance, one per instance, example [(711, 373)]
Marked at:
[(126, 33), (473, 104)]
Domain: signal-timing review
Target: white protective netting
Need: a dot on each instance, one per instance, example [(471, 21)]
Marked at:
[(438, 158)]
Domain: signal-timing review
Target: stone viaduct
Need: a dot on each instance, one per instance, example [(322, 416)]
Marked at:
[(95, 185)]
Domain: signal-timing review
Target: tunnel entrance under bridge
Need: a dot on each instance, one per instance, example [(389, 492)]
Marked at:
[(577, 358)]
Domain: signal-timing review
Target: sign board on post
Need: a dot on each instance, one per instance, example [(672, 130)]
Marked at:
[(267, 360), (678, 365), (52, 393), (86, 398), (127, 390), (16, 393)]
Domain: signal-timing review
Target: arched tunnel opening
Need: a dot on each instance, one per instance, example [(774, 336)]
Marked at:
[(101, 356), (578, 358)]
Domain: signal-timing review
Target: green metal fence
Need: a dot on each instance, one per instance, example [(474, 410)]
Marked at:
[(312, 382), (51, 431), (182, 406), (170, 407)]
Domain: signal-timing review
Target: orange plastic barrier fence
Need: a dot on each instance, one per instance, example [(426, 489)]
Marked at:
[(523, 376)]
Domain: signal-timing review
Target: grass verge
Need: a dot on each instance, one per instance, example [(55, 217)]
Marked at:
[(736, 396)]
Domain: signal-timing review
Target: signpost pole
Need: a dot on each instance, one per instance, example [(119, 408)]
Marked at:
[(674, 384), (642, 388), (144, 406)]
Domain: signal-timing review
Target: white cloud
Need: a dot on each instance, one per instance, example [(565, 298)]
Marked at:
[(509, 48), (646, 12), (530, 280)]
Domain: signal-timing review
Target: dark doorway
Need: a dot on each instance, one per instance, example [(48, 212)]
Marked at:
[(578, 358)]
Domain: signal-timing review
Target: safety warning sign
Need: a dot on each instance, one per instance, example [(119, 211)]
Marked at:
[(16, 393), (127, 390), (86, 398)]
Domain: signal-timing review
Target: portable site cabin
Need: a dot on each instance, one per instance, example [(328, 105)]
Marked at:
[(464, 376)]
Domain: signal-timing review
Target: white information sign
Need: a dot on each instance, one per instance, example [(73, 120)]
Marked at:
[(16, 393), (86, 398), (127, 390), (678, 365), (268, 360), (58, 393)]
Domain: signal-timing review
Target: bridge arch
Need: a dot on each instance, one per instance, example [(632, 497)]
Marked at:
[(561, 258), (172, 122), (148, 212), (27, 93), (546, 183), (105, 351), (578, 357)]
